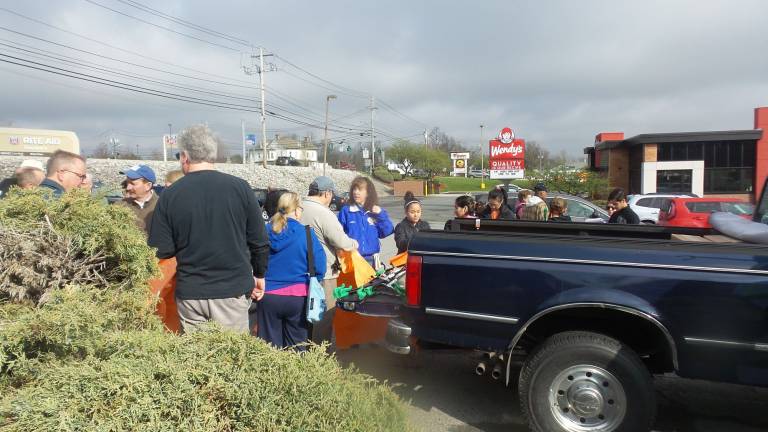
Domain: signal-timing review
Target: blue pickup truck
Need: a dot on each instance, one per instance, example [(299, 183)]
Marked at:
[(581, 316)]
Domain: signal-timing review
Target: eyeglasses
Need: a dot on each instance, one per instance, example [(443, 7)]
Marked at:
[(81, 176)]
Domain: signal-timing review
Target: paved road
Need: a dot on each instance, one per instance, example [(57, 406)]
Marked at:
[(444, 394)]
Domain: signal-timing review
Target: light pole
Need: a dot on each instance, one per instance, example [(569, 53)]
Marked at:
[(482, 172), (325, 139)]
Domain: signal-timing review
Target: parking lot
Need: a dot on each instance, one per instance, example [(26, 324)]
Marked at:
[(444, 394)]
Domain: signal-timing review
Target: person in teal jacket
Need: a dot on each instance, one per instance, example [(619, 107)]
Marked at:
[(364, 221)]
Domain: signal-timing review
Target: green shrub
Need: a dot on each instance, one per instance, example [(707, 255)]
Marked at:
[(383, 174), (85, 228), (98, 358), (396, 175)]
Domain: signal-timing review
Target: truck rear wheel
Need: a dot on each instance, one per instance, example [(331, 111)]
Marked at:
[(584, 381)]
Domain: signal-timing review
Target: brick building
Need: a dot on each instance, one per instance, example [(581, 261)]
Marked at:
[(730, 163)]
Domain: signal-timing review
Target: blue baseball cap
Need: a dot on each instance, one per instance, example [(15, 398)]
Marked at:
[(140, 171)]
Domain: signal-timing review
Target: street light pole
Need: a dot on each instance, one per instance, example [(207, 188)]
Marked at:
[(325, 139)]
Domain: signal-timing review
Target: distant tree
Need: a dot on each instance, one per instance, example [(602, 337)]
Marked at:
[(236, 159), (156, 155), (406, 154), (102, 152), (221, 150), (537, 156), (439, 140)]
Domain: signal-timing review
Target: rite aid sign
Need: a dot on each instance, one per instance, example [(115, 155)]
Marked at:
[(507, 156)]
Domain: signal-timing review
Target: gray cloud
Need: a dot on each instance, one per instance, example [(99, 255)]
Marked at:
[(558, 71)]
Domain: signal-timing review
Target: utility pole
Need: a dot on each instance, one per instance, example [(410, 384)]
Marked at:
[(482, 156), (325, 137), (115, 143), (137, 151), (373, 135), (242, 136), (251, 70)]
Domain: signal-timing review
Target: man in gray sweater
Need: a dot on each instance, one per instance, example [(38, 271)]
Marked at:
[(331, 235)]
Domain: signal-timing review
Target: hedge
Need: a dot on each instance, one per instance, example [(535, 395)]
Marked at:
[(96, 357)]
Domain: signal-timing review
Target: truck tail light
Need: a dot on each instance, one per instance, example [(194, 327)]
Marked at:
[(413, 280)]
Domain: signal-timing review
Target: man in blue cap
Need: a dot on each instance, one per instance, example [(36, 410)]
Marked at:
[(139, 195)]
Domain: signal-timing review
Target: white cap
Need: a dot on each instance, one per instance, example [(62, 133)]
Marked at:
[(32, 163)]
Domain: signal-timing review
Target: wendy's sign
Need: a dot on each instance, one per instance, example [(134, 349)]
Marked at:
[(507, 156)]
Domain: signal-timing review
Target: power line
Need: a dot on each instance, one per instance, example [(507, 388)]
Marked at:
[(162, 27), (102, 43), (182, 22), (148, 91), (123, 73)]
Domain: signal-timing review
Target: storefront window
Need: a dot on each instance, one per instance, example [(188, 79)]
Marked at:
[(674, 181), (728, 180)]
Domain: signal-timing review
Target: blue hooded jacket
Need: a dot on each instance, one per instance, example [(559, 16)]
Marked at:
[(365, 227), (288, 256)]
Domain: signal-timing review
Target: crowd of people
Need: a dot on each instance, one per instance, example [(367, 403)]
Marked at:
[(228, 259)]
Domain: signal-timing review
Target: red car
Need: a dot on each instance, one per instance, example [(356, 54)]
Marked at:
[(694, 212)]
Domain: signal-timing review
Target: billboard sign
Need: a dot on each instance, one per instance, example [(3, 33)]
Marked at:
[(459, 163), (36, 142), (507, 156), (250, 140)]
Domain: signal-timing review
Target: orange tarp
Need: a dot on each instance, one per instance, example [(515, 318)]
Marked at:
[(165, 288), (349, 327)]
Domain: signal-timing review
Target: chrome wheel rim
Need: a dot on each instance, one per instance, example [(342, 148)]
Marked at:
[(587, 398)]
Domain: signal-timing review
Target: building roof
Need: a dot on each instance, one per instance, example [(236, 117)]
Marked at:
[(655, 138)]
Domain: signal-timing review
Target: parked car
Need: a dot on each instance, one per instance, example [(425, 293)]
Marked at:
[(579, 209), (647, 207), (267, 199), (694, 212), (287, 161), (476, 173), (338, 201)]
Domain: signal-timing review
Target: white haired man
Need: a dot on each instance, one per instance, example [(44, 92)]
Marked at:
[(211, 222), (64, 171)]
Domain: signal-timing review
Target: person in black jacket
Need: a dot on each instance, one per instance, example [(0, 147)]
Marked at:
[(497, 206), (411, 224), (211, 222), (623, 214)]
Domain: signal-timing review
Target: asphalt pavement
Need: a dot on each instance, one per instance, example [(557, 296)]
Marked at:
[(444, 394)]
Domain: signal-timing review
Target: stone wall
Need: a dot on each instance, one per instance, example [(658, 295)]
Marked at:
[(296, 179)]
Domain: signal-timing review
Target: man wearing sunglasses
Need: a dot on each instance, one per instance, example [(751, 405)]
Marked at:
[(64, 171)]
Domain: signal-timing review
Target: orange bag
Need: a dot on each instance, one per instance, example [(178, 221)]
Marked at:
[(355, 270), (351, 328), (164, 287), (399, 260)]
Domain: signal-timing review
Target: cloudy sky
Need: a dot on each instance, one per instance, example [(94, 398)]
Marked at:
[(557, 72)]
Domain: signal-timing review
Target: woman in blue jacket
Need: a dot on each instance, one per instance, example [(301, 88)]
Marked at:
[(281, 312), (364, 221)]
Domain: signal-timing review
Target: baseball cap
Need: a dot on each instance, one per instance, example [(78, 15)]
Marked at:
[(321, 184), (140, 171), (31, 163), (540, 187)]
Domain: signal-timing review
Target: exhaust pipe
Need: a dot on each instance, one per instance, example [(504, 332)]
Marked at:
[(497, 370), (488, 358)]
